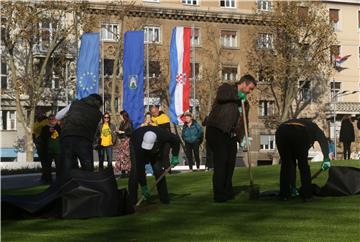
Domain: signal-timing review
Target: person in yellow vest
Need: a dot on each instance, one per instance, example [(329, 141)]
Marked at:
[(162, 121), (41, 121), (160, 118), (105, 139)]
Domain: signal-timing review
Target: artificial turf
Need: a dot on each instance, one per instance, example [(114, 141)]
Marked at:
[(192, 215)]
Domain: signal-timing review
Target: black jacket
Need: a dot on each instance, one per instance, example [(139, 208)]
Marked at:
[(347, 133), (128, 128), (82, 119), (225, 113), (313, 132), (143, 156)]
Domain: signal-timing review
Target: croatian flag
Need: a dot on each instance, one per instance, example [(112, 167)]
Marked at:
[(179, 73), (339, 60)]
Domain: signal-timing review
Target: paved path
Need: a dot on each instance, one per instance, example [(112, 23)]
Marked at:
[(20, 181)]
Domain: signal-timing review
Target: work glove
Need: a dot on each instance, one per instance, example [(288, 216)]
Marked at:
[(243, 142), (294, 192), (242, 96), (326, 164), (174, 160), (145, 192)]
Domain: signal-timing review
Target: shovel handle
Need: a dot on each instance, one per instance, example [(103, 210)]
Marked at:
[(247, 144), (157, 181), (316, 174)]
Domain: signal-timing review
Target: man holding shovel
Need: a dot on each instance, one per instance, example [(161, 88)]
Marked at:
[(293, 140), (225, 126), (147, 145)]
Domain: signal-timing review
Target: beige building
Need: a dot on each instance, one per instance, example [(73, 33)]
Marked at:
[(219, 45)]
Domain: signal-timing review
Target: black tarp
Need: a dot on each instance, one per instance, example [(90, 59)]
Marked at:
[(342, 181), (84, 195)]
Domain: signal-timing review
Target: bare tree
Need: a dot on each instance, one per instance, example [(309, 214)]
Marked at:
[(36, 39), (292, 54)]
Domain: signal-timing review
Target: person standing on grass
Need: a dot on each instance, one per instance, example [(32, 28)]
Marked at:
[(224, 127), (49, 145), (147, 145), (81, 119), (347, 135), (123, 161), (192, 134), (294, 138), (105, 139), (162, 121)]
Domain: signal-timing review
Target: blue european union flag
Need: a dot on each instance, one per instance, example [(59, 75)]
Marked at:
[(88, 65), (134, 76)]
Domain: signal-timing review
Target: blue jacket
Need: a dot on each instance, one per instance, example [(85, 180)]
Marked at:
[(192, 134)]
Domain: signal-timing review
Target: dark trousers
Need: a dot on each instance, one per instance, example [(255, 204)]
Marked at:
[(165, 155), (293, 145), (108, 150), (73, 148), (224, 152), (190, 149), (133, 180), (209, 156), (46, 166), (347, 150)]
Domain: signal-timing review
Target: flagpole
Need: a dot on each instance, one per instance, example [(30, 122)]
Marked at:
[(193, 72), (102, 75), (147, 74)]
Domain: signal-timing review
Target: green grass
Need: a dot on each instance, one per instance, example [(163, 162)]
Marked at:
[(192, 216)]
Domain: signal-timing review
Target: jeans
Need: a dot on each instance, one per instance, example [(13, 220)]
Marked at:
[(108, 150), (73, 148)]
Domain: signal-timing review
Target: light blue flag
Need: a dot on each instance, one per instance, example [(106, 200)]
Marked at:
[(88, 65), (134, 76)]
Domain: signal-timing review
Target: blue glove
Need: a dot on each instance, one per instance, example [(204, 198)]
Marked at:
[(243, 142), (174, 160), (242, 96), (294, 192), (145, 192), (326, 164)]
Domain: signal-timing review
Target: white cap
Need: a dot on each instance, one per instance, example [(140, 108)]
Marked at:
[(148, 140)]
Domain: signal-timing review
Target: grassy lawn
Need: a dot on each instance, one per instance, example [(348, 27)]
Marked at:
[(192, 216)]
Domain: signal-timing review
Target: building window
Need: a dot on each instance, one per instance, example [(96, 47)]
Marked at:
[(45, 35), (228, 39), (266, 108), (227, 3), (154, 69), (229, 73), (304, 91), (109, 32), (334, 52), (334, 18), (335, 88), (359, 20), (8, 120), (264, 5), (190, 2), (267, 142), (197, 69), (152, 34), (195, 37), (108, 67), (359, 56), (265, 41), (4, 75)]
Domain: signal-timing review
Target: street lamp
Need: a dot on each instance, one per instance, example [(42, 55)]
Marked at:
[(335, 96)]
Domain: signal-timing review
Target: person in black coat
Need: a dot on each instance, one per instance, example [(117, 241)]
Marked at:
[(293, 140), (347, 135), (81, 119), (49, 148), (147, 144), (224, 127)]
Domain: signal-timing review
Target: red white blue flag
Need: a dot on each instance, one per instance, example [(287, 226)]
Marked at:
[(339, 60), (179, 73)]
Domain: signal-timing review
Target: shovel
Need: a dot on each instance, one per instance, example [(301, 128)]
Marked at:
[(254, 190), (157, 181)]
